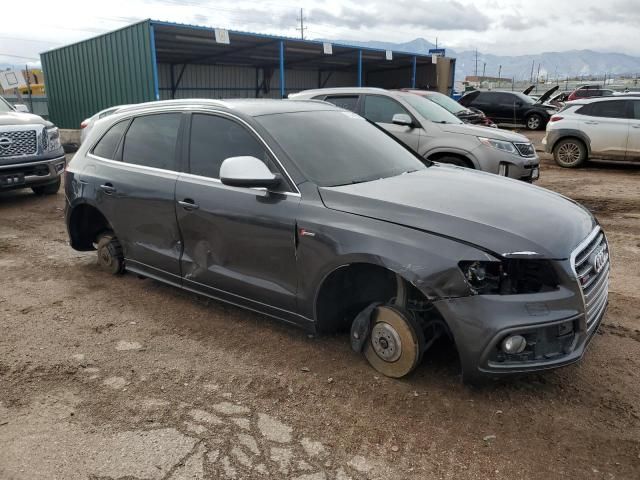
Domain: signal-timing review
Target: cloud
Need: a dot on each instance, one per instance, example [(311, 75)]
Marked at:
[(620, 11), (518, 22), (431, 14)]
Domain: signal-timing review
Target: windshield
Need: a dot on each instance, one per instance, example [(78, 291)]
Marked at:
[(525, 99), (334, 148), (445, 102), (4, 106), (430, 110)]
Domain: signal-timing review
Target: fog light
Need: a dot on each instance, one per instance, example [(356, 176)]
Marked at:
[(514, 344)]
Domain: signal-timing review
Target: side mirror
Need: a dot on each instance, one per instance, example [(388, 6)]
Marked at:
[(248, 172), (402, 119), (21, 108)]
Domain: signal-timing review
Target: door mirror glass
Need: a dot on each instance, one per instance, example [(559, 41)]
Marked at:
[(402, 119), (247, 172), (21, 108)]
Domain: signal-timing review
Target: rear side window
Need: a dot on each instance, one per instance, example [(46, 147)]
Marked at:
[(380, 109), (347, 102), (214, 139), (151, 141), (106, 147), (609, 109)]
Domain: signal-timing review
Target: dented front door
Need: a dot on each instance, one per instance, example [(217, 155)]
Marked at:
[(238, 243)]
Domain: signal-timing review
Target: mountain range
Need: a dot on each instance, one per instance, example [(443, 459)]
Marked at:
[(572, 63)]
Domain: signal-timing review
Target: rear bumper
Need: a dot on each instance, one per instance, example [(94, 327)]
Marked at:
[(31, 174)]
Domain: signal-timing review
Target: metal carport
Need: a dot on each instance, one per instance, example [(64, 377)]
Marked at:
[(153, 60)]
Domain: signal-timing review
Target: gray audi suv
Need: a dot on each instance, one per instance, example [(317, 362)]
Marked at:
[(310, 214)]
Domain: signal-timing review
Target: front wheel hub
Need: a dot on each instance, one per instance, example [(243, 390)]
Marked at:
[(386, 342)]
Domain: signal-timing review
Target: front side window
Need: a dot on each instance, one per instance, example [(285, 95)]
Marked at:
[(151, 141), (348, 102), (213, 139), (106, 147), (381, 109)]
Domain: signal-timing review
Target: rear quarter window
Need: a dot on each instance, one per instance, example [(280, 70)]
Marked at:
[(348, 102), (108, 144)]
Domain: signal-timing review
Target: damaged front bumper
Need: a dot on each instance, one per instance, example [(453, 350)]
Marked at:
[(553, 324)]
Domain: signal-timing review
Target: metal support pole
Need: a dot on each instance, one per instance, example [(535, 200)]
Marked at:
[(281, 69), (359, 68), (413, 72), (154, 62)]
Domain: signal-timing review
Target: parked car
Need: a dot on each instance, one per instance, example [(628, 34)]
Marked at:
[(467, 115), (434, 133), (308, 213), (30, 152), (588, 91), (505, 107), (87, 124), (605, 128)]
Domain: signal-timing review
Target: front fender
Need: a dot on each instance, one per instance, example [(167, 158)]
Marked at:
[(454, 151), (427, 261)]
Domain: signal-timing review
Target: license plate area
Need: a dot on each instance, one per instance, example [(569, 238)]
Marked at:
[(12, 179)]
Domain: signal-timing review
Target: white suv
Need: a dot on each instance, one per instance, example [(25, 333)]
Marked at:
[(604, 128)]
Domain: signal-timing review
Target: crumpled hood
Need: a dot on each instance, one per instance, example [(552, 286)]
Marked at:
[(19, 118), (480, 131), (501, 215)]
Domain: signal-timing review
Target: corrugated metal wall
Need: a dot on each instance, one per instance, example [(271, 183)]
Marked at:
[(223, 81), (86, 77)]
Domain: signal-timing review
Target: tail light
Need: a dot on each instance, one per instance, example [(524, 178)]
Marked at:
[(84, 124), (555, 118)]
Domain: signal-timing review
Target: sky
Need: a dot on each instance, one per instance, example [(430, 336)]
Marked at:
[(500, 27)]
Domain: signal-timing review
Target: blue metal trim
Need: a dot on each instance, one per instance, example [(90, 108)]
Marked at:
[(276, 37), (281, 68), (154, 60), (413, 72), (359, 68)]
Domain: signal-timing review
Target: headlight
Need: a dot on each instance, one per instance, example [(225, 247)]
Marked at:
[(52, 139), (510, 276), (499, 144)]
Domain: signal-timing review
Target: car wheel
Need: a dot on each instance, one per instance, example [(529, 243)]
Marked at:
[(396, 342), (451, 160), (569, 153), (50, 189), (110, 257), (534, 122)]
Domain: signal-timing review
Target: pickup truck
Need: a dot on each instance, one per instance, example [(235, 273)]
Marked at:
[(31, 155)]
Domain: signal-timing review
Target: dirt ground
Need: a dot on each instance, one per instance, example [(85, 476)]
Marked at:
[(107, 377)]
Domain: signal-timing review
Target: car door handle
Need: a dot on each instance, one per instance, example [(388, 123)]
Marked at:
[(591, 123), (188, 204), (108, 188), (635, 126)]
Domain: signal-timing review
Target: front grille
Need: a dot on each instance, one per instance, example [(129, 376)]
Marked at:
[(525, 149), (17, 143), (592, 265)]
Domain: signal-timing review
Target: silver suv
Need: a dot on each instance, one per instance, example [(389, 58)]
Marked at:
[(605, 128), (436, 134)]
